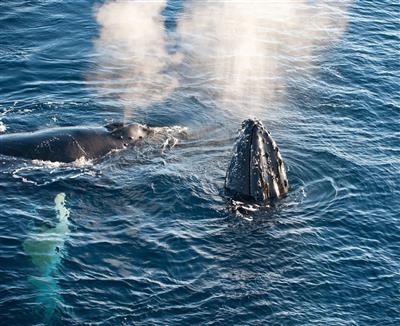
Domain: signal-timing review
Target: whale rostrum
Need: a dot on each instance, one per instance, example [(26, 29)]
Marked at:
[(256, 172)]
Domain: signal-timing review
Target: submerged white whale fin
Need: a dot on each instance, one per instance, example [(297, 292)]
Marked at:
[(45, 247), (45, 250)]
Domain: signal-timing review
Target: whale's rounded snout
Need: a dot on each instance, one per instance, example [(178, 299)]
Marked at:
[(256, 171), (136, 132)]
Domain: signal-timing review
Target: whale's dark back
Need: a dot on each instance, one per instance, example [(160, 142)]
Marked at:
[(59, 144)]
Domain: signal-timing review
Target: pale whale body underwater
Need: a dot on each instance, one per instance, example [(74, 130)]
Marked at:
[(256, 173)]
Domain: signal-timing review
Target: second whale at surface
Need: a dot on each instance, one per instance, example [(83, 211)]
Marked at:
[(68, 144)]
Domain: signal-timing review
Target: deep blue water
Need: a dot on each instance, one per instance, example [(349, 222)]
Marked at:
[(150, 239)]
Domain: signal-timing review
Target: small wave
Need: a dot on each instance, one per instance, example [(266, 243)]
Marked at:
[(80, 162), (172, 130), (40, 173), (171, 134), (244, 211), (3, 127)]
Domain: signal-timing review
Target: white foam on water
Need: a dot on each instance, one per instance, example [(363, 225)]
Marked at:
[(32, 173), (3, 127), (15, 174), (171, 134), (171, 130), (80, 162)]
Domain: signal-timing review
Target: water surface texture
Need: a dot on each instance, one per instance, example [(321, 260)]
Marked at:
[(146, 236)]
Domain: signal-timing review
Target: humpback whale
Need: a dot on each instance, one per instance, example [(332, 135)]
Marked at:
[(256, 172), (67, 144)]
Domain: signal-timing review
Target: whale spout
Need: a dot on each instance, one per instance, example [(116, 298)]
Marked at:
[(256, 172)]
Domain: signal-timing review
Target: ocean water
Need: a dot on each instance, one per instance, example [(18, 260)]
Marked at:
[(146, 236)]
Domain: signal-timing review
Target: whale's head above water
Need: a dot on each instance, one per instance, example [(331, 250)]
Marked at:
[(256, 172), (130, 133)]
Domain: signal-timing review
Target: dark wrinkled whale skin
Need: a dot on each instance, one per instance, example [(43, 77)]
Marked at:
[(256, 172), (67, 144)]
